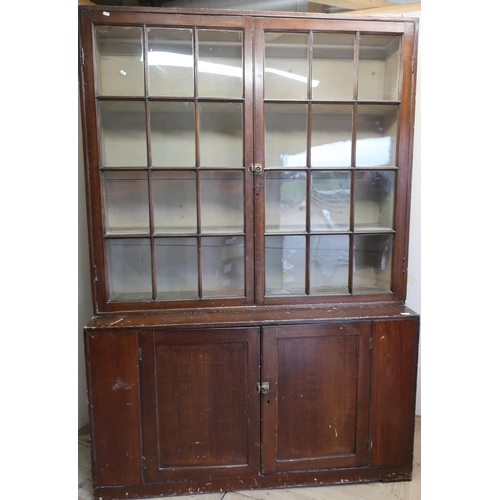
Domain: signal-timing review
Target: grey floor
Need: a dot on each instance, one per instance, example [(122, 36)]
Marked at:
[(408, 490)]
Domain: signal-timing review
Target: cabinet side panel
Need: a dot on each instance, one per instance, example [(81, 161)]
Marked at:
[(394, 373), (112, 368)]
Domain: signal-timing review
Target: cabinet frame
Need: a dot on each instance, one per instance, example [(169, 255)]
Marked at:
[(372, 337), (251, 23)]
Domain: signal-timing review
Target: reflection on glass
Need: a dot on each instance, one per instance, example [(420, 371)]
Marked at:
[(126, 207), (223, 266), (129, 269), (331, 135), (123, 134), (172, 134), (372, 263), (286, 135), (330, 201), (176, 268), (285, 265), (376, 135), (373, 200), (329, 267), (174, 202), (119, 61), (222, 202), (379, 67), (221, 134), (286, 66), (170, 62), (220, 65), (333, 66), (285, 201)]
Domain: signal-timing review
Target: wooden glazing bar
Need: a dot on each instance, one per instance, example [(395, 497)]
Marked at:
[(308, 162), (149, 161), (197, 159), (353, 160), (340, 25)]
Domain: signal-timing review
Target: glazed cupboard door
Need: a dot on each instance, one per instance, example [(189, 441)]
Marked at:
[(200, 407), (169, 115), (332, 115), (316, 414), (237, 160)]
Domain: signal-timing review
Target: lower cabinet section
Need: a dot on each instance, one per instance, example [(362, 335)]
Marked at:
[(184, 410)]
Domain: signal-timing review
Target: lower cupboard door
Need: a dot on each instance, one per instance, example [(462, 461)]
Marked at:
[(316, 414), (200, 404)]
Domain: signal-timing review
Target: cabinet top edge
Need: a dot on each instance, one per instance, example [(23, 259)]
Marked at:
[(245, 317), (250, 13)]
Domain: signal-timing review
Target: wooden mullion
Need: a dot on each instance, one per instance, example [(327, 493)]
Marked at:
[(353, 159), (149, 163), (197, 159), (308, 163)]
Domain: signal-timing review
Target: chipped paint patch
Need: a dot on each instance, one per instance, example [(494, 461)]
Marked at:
[(120, 384)]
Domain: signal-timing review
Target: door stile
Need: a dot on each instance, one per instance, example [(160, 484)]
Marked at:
[(269, 403), (248, 154), (259, 180)]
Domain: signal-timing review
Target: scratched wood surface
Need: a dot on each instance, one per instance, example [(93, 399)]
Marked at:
[(371, 491)]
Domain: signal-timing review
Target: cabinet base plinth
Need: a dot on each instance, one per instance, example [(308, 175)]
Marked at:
[(285, 480)]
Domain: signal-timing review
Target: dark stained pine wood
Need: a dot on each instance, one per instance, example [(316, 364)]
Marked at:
[(316, 416), (200, 405), (394, 380), (173, 401), (115, 422)]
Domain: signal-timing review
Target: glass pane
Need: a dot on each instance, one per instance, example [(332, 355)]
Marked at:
[(223, 264), (372, 263), (285, 265), (285, 201), (373, 200), (126, 205), (329, 268), (119, 60), (220, 64), (331, 135), (221, 134), (330, 201), (172, 134), (170, 62), (222, 204), (129, 269), (286, 135), (379, 67), (333, 66), (286, 66), (123, 134), (174, 202), (377, 130), (176, 268)]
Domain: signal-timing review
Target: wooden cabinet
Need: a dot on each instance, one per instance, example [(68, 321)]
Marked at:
[(248, 183), (316, 413)]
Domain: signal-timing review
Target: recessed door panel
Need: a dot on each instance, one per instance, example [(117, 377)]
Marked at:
[(200, 403), (316, 413)]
